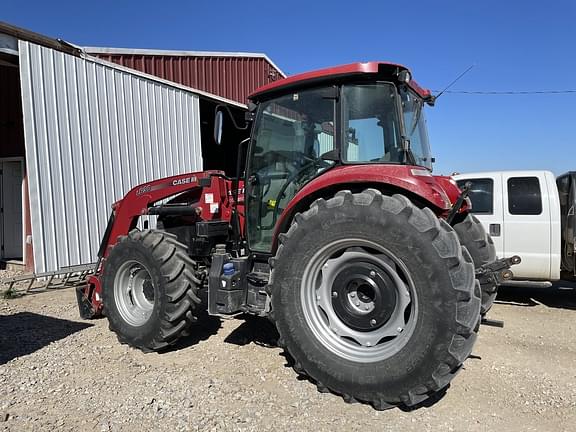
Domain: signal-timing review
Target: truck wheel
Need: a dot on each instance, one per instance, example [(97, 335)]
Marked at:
[(374, 299), (149, 289), (481, 247)]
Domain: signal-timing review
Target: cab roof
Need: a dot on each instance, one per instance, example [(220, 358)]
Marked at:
[(336, 74)]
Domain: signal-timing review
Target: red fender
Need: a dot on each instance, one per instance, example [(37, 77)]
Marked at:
[(416, 180)]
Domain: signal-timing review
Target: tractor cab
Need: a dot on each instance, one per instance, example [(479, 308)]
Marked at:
[(361, 114)]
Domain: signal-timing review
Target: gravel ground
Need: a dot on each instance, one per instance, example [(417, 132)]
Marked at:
[(58, 372), (6, 274)]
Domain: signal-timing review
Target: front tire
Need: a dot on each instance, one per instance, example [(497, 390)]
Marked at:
[(149, 289), (417, 316)]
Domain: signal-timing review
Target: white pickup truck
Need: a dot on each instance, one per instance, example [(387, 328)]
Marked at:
[(530, 214)]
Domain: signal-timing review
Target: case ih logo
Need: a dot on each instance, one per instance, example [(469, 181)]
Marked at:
[(150, 187), (184, 180)]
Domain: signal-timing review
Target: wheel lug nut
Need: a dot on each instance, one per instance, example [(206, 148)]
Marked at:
[(366, 307), (372, 273), (373, 322), (399, 329), (357, 303), (368, 343), (334, 294), (317, 298), (352, 294)]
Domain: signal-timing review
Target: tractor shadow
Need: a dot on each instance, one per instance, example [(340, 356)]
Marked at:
[(25, 332), (561, 295), (262, 332), (431, 401), (204, 327), (257, 330)]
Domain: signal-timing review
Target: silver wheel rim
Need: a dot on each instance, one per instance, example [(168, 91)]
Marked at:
[(323, 314), (134, 293)]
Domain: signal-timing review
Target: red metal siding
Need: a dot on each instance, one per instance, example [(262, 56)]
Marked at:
[(229, 77)]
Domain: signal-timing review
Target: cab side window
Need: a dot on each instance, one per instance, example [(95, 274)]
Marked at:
[(524, 196), (481, 194)]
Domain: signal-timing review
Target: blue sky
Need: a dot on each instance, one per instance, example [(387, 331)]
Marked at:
[(516, 46)]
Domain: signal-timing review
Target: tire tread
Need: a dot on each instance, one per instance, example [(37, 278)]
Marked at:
[(460, 266), (180, 289)]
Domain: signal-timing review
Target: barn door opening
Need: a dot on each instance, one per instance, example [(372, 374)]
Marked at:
[(11, 178)]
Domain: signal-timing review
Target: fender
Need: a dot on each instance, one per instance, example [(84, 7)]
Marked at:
[(453, 191), (416, 180)]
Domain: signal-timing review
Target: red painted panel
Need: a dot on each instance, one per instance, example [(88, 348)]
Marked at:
[(449, 185), (29, 248)]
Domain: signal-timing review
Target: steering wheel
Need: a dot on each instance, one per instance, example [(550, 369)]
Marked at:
[(294, 162), (319, 163), (296, 156)]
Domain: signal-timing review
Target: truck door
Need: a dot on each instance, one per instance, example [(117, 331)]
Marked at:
[(527, 221), (486, 196)]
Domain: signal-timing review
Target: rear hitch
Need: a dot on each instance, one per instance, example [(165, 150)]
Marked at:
[(492, 323), (497, 271)]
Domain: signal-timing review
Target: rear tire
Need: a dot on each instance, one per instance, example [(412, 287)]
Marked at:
[(417, 278), (481, 247), (149, 289)]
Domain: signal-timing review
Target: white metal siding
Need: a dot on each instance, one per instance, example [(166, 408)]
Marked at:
[(92, 133)]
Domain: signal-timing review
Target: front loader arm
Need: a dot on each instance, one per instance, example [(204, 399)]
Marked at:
[(214, 203), (137, 202)]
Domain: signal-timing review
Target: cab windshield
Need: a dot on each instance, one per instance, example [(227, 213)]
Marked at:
[(415, 127)]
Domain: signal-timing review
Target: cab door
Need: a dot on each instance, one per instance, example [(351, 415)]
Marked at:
[(290, 135)]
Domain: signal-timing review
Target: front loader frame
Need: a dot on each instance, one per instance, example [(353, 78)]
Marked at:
[(215, 203)]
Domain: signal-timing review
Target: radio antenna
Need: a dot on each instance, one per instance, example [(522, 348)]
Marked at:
[(453, 82)]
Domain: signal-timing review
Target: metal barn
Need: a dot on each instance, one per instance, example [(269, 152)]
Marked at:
[(78, 131)]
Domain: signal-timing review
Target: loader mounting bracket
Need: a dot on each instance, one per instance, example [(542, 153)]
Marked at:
[(84, 304)]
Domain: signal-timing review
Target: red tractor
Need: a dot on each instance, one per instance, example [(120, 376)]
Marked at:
[(371, 268)]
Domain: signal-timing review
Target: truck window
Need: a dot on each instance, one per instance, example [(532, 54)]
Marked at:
[(481, 194), (524, 196)]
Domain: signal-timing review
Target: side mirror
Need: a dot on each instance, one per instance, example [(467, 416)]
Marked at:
[(218, 125)]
